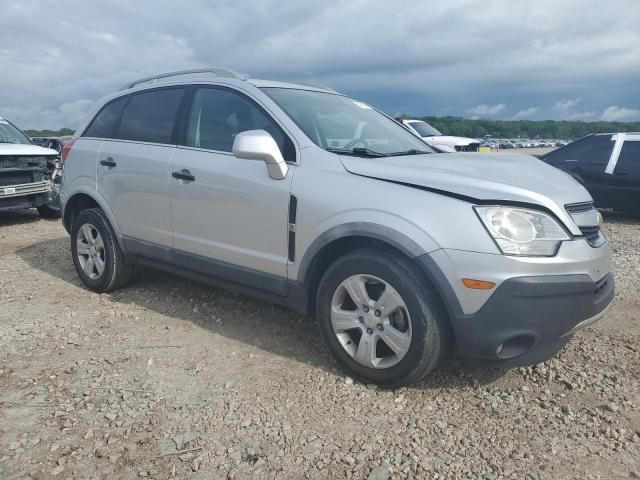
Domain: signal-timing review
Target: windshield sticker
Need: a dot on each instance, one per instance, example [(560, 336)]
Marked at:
[(361, 105)]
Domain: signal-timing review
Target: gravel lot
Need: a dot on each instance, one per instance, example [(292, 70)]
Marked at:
[(97, 386)]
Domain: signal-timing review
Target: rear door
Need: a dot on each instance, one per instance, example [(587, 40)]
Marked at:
[(133, 169), (626, 176), (229, 217), (587, 159)]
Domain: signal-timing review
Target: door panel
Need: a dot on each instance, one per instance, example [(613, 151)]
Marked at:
[(232, 213), (137, 188), (229, 217), (626, 177)]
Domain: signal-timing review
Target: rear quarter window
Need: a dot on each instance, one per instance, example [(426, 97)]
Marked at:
[(629, 159), (594, 150), (104, 123), (151, 116)]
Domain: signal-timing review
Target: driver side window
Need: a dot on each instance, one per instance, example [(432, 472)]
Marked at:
[(218, 115)]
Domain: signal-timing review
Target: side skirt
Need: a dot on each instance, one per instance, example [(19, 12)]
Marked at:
[(296, 298)]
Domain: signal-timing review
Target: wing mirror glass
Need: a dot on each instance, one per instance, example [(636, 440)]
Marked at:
[(259, 145)]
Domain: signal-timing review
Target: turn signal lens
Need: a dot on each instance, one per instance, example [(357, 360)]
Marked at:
[(477, 284)]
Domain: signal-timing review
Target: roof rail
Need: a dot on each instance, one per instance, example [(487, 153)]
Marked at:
[(218, 72), (315, 85)]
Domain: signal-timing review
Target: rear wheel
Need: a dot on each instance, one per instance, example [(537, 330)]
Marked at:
[(96, 254), (379, 317)]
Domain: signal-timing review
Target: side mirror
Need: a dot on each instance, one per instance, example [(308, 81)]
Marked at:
[(259, 145)]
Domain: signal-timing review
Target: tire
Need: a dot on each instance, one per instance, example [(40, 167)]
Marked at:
[(115, 272), (420, 326), (48, 212)]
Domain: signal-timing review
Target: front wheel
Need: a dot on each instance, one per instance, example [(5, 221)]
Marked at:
[(380, 318)]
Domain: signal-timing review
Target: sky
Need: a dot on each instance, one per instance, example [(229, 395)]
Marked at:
[(542, 59)]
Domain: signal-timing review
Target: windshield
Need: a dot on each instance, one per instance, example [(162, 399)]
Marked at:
[(10, 134), (424, 129), (344, 125)]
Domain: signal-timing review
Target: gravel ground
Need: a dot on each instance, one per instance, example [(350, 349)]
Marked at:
[(97, 387)]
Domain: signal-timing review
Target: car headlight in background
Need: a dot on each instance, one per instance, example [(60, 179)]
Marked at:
[(521, 231)]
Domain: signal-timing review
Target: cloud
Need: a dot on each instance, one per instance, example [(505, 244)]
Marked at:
[(486, 110), (620, 114), (566, 110), (526, 113), (566, 105), (430, 58)]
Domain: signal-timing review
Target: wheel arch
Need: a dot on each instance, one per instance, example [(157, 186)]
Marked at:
[(83, 200), (342, 239)]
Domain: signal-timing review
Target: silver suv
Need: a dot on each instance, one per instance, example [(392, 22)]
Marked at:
[(340, 213)]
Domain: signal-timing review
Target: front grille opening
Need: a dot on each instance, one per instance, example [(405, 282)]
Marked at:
[(8, 179), (580, 207), (593, 236)]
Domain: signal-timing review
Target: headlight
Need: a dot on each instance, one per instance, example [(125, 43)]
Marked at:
[(520, 231)]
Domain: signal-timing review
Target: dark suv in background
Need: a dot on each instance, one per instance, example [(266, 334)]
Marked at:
[(607, 164)]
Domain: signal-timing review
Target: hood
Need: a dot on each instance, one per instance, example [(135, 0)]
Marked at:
[(449, 140), (22, 149), (483, 178)]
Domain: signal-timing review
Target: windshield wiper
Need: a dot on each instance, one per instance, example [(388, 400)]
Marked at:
[(413, 151), (356, 152)]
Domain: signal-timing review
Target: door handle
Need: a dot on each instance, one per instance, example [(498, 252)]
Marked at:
[(108, 162), (183, 174)]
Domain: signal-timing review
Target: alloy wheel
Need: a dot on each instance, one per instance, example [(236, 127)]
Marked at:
[(90, 251), (371, 321)]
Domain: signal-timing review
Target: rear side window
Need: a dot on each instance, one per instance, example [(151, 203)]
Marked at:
[(104, 124), (151, 116), (594, 150), (218, 115), (629, 159)]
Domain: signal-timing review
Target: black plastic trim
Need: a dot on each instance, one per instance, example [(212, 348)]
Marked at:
[(541, 308), (357, 229), (206, 266), (293, 209)]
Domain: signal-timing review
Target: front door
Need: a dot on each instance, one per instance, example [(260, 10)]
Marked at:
[(229, 217)]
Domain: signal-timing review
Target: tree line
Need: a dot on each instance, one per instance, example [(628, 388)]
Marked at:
[(63, 132), (464, 127)]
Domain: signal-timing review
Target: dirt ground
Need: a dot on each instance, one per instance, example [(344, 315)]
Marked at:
[(97, 386)]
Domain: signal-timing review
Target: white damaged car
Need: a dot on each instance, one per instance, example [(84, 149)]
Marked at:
[(29, 174), (435, 138)]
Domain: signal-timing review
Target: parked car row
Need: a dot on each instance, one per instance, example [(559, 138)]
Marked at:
[(507, 143), (308, 198)]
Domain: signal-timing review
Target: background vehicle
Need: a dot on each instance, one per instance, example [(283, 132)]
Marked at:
[(345, 214), (607, 164), (433, 137), (27, 173)]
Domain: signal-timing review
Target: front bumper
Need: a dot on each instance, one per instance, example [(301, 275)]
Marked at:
[(528, 319), (28, 195), (537, 304)]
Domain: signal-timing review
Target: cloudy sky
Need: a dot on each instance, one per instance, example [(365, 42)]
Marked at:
[(543, 59)]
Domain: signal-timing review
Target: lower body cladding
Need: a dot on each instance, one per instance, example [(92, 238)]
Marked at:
[(535, 307)]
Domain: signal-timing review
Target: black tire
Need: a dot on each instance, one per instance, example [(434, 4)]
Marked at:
[(430, 338), (117, 272), (48, 212)]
